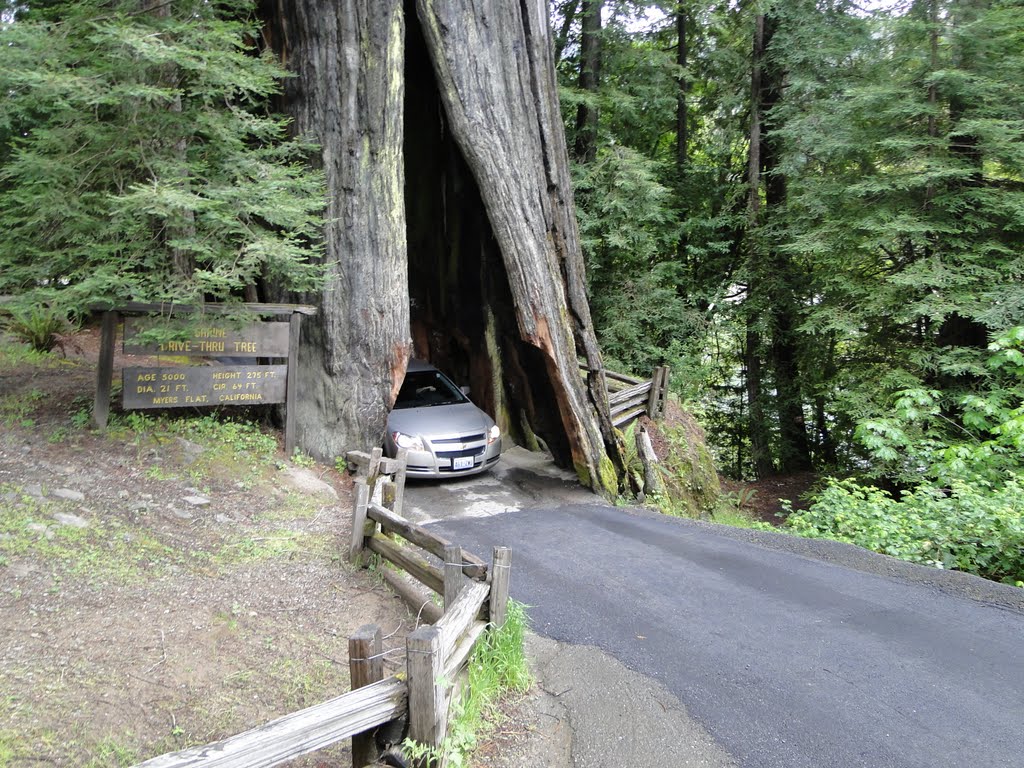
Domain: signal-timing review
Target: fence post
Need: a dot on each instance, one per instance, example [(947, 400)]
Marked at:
[(453, 578), (664, 391), (401, 458), (105, 370), (428, 712), (362, 500), (374, 466), (500, 574), (365, 666), (659, 393)]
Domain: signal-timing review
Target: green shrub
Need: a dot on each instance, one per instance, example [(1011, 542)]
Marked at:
[(39, 327), (974, 527)]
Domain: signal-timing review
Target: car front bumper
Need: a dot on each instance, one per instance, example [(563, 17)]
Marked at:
[(445, 459)]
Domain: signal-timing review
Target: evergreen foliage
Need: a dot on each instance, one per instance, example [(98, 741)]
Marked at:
[(139, 162), (835, 259)]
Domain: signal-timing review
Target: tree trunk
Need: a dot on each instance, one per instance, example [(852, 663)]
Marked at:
[(682, 95), (771, 293), (590, 78), (682, 122), (794, 453), (495, 73), (757, 418), (452, 226), (348, 95)]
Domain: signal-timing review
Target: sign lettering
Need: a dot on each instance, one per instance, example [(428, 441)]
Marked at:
[(172, 387), (255, 340)]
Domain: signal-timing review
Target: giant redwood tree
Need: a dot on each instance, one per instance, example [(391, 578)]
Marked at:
[(451, 232)]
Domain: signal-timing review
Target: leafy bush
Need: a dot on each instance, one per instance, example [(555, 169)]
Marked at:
[(980, 437), (39, 327), (974, 527)]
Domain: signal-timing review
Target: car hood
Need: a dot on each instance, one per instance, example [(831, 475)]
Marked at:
[(440, 421)]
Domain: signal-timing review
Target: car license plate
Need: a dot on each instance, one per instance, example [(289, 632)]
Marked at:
[(462, 462)]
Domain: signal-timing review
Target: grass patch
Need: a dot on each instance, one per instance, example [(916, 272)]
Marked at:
[(498, 667), (283, 544), (111, 753), (105, 550), (238, 450), (16, 410), (13, 353), (294, 506), (729, 514)]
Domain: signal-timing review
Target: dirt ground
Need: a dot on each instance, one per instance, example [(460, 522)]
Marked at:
[(157, 590)]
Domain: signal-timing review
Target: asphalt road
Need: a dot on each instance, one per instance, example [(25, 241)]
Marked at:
[(789, 652)]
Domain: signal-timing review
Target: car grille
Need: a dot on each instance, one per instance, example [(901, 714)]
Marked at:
[(462, 439), (460, 454)]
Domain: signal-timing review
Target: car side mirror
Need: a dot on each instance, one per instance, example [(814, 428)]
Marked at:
[(464, 389)]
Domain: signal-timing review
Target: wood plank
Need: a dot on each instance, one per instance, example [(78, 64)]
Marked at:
[(213, 338), (292, 383), (374, 467), (401, 458), (203, 385), (459, 617), (623, 377), (409, 561), (427, 694), (358, 460), (461, 653), (632, 402), (104, 371), (649, 460), (627, 416), (474, 567), (663, 393), (419, 600), (299, 733), (640, 389), (501, 574), (365, 666), (453, 578)]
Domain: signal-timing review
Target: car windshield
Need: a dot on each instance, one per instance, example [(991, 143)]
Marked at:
[(425, 388)]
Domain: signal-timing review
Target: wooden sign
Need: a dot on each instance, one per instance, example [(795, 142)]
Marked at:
[(257, 339), (209, 336), (182, 386)]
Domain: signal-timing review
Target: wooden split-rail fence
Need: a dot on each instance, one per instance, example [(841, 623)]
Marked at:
[(630, 397), (475, 597)]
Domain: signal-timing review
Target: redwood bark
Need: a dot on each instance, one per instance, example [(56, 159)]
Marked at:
[(497, 282), (347, 94), (496, 77)]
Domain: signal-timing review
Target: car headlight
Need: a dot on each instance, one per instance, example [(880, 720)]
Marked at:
[(493, 435), (409, 442)]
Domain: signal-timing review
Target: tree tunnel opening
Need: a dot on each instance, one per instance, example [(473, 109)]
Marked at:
[(462, 311)]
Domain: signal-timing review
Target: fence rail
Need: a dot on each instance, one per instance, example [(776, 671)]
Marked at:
[(475, 597), (299, 733), (630, 397)]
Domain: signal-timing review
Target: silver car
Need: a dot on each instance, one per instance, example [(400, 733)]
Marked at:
[(445, 434)]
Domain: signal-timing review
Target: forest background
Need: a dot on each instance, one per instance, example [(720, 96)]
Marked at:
[(812, 211)]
